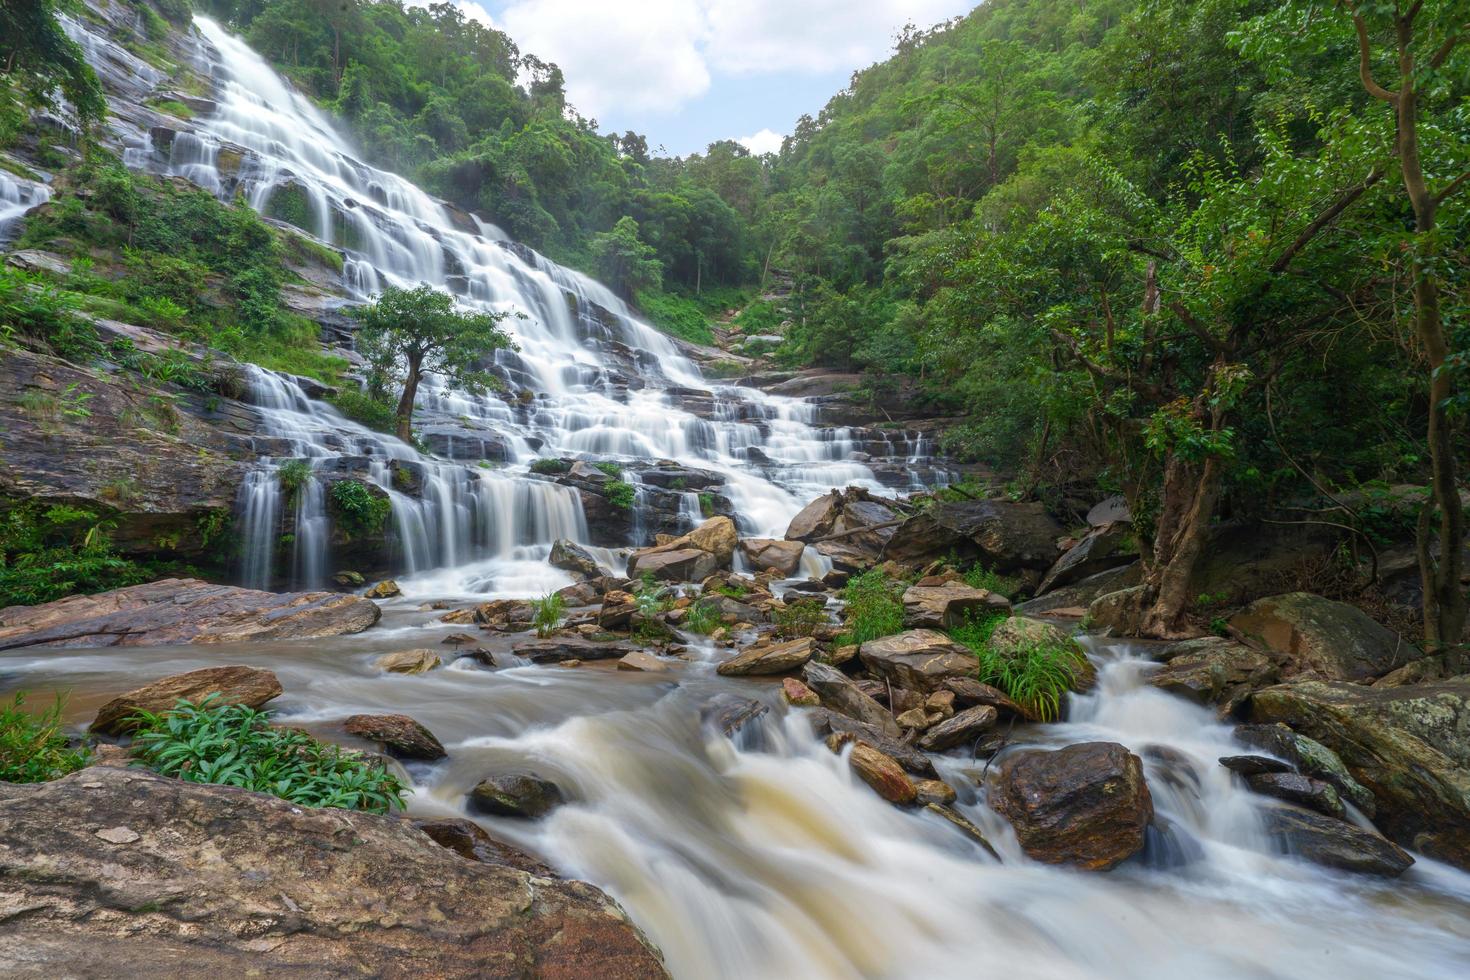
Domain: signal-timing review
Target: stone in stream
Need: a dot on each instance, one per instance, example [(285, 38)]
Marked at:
[(218, 881), (1313, 637), (797, 694), (691, 557), (730, 713), (1212, 670), (1085, 805), (1305, 791), (642, 660), (963, 728), (839, 693), (408, 662), (231, 685), (879, 771), (963, 824), (572, 557), (815, 520), (515, 794), (934, 791), (618, 608), (1253, 765), (920, 660), (470, 841), (556, 649), (778, 658), (1409, 746), (969, 692), (943, 607), (1310, 757), (400, 735), (386, 589), (826, 723), (175, 610), (771, 554), (1334, 843)]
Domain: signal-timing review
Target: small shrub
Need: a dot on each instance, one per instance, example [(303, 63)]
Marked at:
[(232, 745), (549, 467), (735, 590), (874, 607), (977, 629), (612, 469), (293, 474), (702, 618), (707, 504), (361, 407), (621, 495), (359, 511), (980, 577), (800, 618), (547, 613), (32, 747), (48, 553)]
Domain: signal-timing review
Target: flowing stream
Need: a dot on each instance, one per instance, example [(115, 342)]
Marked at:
[(761, 856), (764, 856)]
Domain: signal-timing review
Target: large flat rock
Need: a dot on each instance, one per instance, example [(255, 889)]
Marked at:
[(185, 610), (158, 877)]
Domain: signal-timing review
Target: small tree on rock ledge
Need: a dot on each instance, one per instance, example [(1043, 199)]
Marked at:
[(409, 332)]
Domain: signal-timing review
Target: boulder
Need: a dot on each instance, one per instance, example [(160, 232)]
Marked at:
[(777, 658), (502, 612), (1212, 670), (1005, 535), (1293, 787), (572, 557), (716, 536), (1253, 765), (1313, 637), (964, 727), (233, 685), (642, 660), (386, 589), (1309, 756), (969, 692), (770, 554), (826, 723), (839, 693), (400, 735), (557, 649), (920, 660), (217, 881), (882, 773), (1082, 594), (1333, 843), (618, 609), (816, 519), (673, 565), (1116, 611), (408, 662), (934, 791), (470, 841), (515, 794), (943, 607), (797, 694), (1099, 550), (1086, 805), (174, 610), (1410, 746)]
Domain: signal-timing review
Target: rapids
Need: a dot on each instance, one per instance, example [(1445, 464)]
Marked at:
[(764, 857)]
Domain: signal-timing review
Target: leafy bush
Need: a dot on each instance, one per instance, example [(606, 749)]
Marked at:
[(874, 607), (48, 553), (620, 494), (547, 613), (702, 618), (1034, 675), (549, 466), (32, 747), (980, 577), (800, 618), (30, 304), (293, 474), (361, 407), (359, 511), (676, 315), (612, 469), (232, 745), (977, 628)]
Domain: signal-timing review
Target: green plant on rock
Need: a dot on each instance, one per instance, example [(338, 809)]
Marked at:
[(1036, 674), (707, 504), (366, 409), (621, 495), (874, 607), (548, 613), (32, 746), (47, 553), (360, 512), (549, 466), (976, 630), (980, 577), (703, 617), (800, 617), (293, 474), (614, 470), (233, 745)]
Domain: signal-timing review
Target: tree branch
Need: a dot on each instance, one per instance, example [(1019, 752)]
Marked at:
[(1197, 328), (1323, 220), (1438, 58), (1365, 59), (1450, 188)]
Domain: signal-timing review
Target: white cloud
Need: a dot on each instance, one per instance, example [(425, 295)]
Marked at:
[(637, 58), (766, 141), (658, 55)]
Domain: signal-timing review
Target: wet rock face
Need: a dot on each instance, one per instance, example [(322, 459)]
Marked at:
[(159, 877), (230, 685), (1005, 535), (515, 795), (1086, 805), (1410, 746), (1214, 671), (840, 693), (400, 735), (1334, 843), (776, 658), (1097, 552), (920, 660), (1310, 636), (183, 611)]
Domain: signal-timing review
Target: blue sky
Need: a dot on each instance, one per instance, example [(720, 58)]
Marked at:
[(687, 72)]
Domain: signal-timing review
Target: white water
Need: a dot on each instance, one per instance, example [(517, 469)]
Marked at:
[(454, 539)]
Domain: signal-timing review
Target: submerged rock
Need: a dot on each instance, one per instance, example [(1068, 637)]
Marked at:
[(557, 649), (230, 685), (515, 794), (217, 881), (1334, 843), (1086, 805), (408, 662), (470, 841), (1293, 787), (177, 610)]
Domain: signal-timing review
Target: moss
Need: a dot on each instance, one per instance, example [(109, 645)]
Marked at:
[(291, 205)]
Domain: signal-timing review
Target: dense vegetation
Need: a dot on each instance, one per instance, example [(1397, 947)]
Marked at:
[(33, 748)]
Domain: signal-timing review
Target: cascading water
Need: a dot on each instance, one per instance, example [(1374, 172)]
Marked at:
[(600, 382)]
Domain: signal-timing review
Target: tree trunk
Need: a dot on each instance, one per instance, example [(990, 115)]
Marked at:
[(405, 403), (1190, 494)]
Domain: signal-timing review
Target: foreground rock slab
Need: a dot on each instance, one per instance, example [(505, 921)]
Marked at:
[(230, 684), (1086, 805), (920, 660), (218, 881), (185, 610)]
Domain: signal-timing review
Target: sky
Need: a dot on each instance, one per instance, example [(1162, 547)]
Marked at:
[(687, 72)]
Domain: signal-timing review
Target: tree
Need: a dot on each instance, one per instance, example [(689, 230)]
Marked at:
[(407, 333), (41, 57), (624, 261)]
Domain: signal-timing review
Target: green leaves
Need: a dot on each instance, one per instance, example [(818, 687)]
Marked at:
[(33, 748), (409, 331), (547, 613), (233, 745)]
